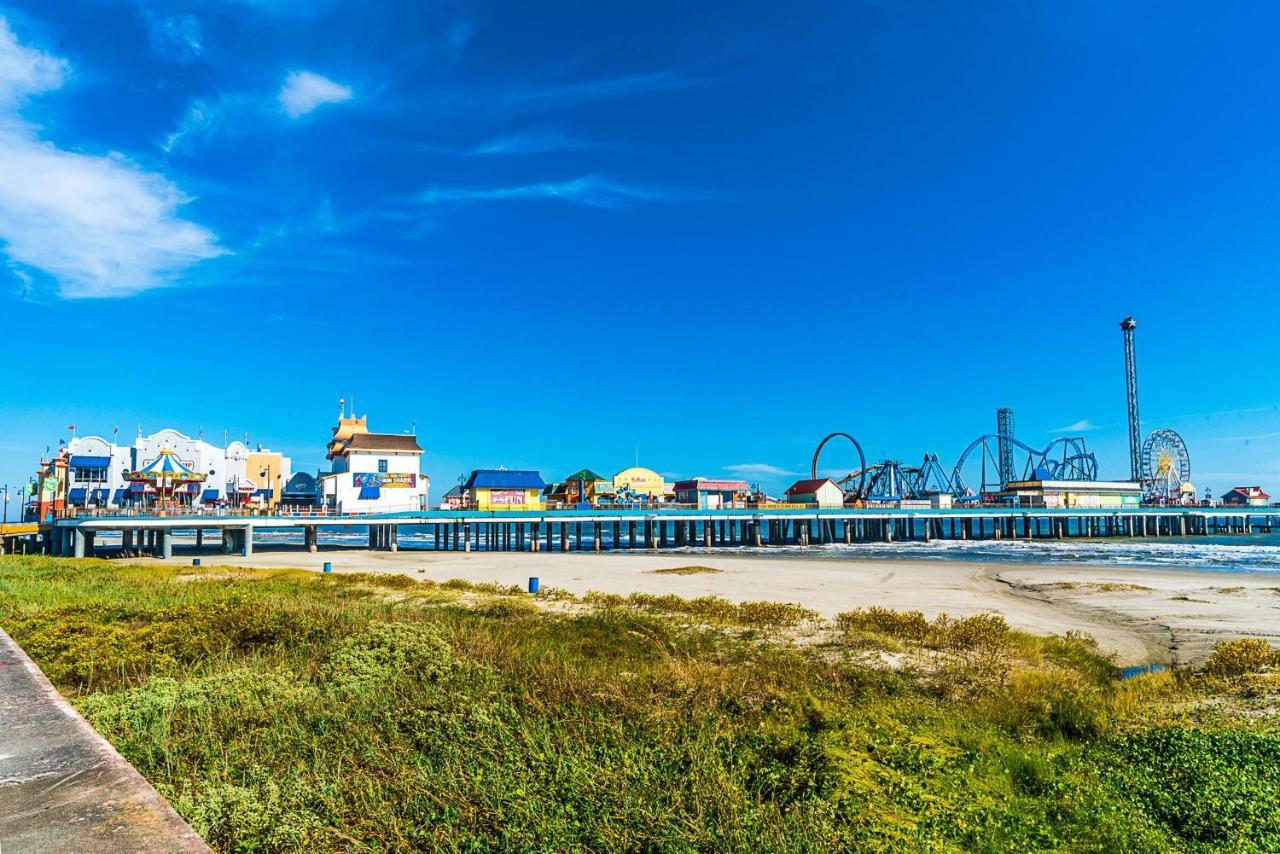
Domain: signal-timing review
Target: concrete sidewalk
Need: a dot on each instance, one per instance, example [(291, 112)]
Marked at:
[(62, 786)]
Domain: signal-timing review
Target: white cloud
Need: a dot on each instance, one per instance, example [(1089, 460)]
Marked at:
[(24, 71), (304, 91), (759, 470), (1082, 426), (100, 225)]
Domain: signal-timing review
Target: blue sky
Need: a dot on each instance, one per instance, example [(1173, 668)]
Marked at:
[(554, 234)]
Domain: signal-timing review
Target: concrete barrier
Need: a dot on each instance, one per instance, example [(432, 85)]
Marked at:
[(62, 786)]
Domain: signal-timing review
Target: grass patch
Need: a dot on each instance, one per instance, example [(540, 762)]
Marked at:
[(685, 570), (286, 711)]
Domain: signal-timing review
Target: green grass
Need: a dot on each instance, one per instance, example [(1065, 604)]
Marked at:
[(286, 710)]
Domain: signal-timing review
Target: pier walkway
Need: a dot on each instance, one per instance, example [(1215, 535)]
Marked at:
[(658, 528)]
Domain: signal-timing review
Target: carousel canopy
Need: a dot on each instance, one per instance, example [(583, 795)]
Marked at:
[(167, 468)]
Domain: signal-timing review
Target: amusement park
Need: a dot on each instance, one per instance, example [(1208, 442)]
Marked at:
[(998, 468)]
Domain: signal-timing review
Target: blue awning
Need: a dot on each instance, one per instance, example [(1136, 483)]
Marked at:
[(369, 493), (264, 493), (77, 494), (120, 495), (137, 487), (100, 495), (209, 495), (79, 462)]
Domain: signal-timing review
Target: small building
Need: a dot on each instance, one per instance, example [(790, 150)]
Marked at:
[(822, 493), (642, 481), (373, 472), (1089, 494), (582, 485), (503, 489), (707, 494), (1246, 496), (454, 499), (300, 492)]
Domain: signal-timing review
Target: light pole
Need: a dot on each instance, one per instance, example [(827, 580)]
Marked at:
[(6, 505)]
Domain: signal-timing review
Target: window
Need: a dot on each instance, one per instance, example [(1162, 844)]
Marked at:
[(382, 466), (84, 475)]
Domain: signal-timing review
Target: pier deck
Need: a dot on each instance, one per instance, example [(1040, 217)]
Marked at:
[(655, 529)]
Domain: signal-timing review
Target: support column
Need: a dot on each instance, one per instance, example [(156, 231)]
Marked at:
[(309, 538), (247, 545), (77, 542), (166, 543), (393, 542), (199, 538)]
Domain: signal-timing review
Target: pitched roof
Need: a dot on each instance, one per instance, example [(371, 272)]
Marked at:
[(504, 479), (1248, 492), (585, 474), (383, 442), (808, 487)]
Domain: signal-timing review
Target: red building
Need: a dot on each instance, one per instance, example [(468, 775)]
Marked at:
[(1246, 496)]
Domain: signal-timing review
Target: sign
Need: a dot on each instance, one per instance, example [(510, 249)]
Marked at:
[(506, 497), (385, 480)]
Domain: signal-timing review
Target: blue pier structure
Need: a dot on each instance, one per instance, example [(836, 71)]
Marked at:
[(656, 529)]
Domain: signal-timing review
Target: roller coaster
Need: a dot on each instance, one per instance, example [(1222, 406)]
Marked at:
[(995, 456)]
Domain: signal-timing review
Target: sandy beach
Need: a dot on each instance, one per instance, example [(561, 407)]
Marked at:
[(1166, 616)]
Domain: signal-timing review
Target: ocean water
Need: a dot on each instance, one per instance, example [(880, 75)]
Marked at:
[(1238, 553)]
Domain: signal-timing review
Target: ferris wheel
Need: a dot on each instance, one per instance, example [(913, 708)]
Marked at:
[(1166, 468)]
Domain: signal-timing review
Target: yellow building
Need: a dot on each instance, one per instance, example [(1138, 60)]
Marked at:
[(500, 489), (642, 481), (268, 471)]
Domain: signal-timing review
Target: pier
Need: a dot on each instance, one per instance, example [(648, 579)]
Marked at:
[(653, 529)]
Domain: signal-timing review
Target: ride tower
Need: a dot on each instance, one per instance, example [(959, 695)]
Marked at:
[(1131, 388)]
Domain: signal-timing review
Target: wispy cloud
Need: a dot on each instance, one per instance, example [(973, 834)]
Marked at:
[(204, 118), (99, 225), (175, 37), (228, 113), (305, 91), (589, 190), (1084, 425), (582, 91), (760, 470), (532, 141)]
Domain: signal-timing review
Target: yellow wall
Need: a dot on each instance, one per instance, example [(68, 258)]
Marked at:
[(260, 461), (532, 499), (642, 480)]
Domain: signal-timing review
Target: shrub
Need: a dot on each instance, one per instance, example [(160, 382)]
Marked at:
[(1240, 656), (905, 625), (384, 652)]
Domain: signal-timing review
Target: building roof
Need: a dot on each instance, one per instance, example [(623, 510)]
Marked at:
[(383, 442), (505, 479), (585, 474), (703, 483), (1247, 491), (808, 487)]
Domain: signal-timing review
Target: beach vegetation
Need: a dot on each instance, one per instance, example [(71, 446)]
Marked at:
[(1242, 656), (294, 711)]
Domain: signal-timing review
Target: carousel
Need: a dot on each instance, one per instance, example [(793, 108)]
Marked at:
[(173, 483)]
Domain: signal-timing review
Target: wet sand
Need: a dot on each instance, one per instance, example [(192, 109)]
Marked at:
[(1167, 616)]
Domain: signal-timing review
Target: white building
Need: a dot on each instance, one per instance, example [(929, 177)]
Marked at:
[(96, 469), (373, 472)]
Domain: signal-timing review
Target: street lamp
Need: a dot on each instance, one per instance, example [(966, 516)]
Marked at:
[(6, 505)]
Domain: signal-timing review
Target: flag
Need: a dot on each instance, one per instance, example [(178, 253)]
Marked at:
[(71, 427)]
